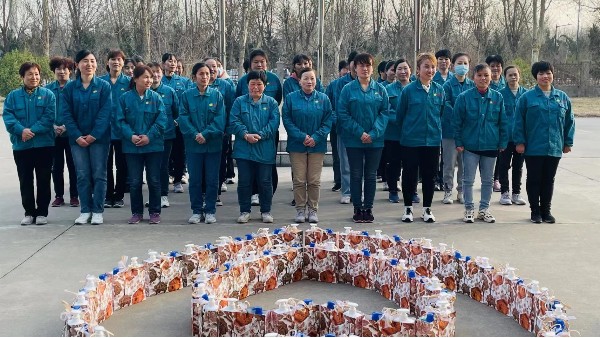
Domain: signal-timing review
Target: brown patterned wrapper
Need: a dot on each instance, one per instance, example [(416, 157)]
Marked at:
[(320, 264), (425, 329), (260, 272), (522, 306), (383, 242), (105, 297), (541, 302), (288, 236), (369, 327), (197, 305), (399, 249), (288, 266), (355, 268), (218, 285), (247, 324), (225, 323), (445, 325), (318, 236), (421, 259), (163, 276), (470, 279), (428, 298), (356, 239), (282, 323), (238, 280), (337, 321), (353, 325), (382, 277), (444, 268), (307, 320), (189, 268), (129, 287), (501, 293), (401, 288), (210, 324), (417, 288)]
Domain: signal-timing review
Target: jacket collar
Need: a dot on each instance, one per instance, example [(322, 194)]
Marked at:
[(539, 92)]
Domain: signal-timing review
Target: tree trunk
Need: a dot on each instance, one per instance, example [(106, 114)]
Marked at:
[(45, 28), (244, 37), (535, 49)]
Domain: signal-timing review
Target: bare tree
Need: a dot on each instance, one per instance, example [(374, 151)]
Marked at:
[(6, 26), (515, 14)]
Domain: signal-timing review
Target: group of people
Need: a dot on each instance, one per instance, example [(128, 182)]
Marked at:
[(400, 126)]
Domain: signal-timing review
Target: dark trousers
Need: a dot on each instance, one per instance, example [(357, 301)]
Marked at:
[(164, 168), (62, 153), (224, 153), (394, 164), (439, 176), (274, 175), (541, 171), (116, 184), (363, 167), (414, 160), (381, 168), (337, 178), (38, 161), (177, 157), (507, 159), (136, 165), (250, 172), (229, 165)]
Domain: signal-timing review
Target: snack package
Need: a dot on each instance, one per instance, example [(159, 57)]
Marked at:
[(429, 295), (249, 323), (445, 265), (352, 320), (307, 318), (425, 326), (227, 250), (522, 305), (198, 302), (163, 274), (237, 275), (89, 300), (401, 284), (317, 235), (355, 267), (289, 236), (210, 319), (288, 264), (358, 240), (334, 311), (417, 288), (75, 326), (399, 249), (397, 323), (280, 320), (261, 271), (189, 264), (105, 297), (227, 317), (320, 262), (501, 289), (445, 318), (381, 275), (485, 280), (370, 325), (468, 274), (129, 283), (555, 322), (421, 256), (262, 240), (380, 241)]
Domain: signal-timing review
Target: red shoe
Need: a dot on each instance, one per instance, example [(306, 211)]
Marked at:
[(58, 202), (74, 202)]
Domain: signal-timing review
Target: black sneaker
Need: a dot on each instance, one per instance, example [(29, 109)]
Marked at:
[(108, 203), (119, 204), (358, 216), (548, 218), (536, 217), (336, 187), (367, 215), (293, 203)]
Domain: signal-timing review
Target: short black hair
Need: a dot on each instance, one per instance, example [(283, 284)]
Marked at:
[(389, 65), (301, 57), (27, 66), (459, 54), (154, 64), (351, 56), (82, 54), (443, 53), (494, 58), (258, 52), (197, 67), (342, 64), (59, 61), (168, 56), (480, 67), (511, 67), (364, 59), (381, 67), (306, 70), (246, 65), (399, 61), (257, 75), (138, 71), (541, 66)]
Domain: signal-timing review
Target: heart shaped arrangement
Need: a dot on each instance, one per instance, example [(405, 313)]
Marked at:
[(420, 278)]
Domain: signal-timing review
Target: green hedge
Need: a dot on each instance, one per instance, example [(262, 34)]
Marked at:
[(9, 69)]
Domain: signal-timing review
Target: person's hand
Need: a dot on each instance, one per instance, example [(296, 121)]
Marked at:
[(310, 142), (520, 148), (460, 149), (200, 138), (566, 149), (89, 139), (82, 142), (27, 135), (501, 149), (306, 140), (135, 139), (143, 140), (59, 130), (366, 138), (252, 138)]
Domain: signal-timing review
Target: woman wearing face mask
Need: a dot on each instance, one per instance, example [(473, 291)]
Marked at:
[(480, 132), (510, 158), (141, 121), (544, 130), (29, 116), (455, 86), (419, 116)]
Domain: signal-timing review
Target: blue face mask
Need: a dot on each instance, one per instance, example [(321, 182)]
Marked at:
[(461, 70)]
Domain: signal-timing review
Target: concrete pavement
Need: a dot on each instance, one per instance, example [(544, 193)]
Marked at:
[(40, 262)]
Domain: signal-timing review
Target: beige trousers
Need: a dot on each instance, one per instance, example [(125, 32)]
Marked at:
[(306, 173)]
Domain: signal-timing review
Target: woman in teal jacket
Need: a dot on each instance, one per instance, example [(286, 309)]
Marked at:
[(29, 116), (141, 121), (292, 83), (307, 118), (419, 114), (544, 130), (510, 158), (116, 185), (363, 108), (480, 133), (254, 121), (202, 123), (87, 114)]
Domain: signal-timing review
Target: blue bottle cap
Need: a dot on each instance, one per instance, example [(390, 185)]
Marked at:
[(102, 276), (394, 261), (556, 301), (457, 255), (430, 317), (467, 258), (238, 239), (311, 244), (331, 305), (76, 307), (299, 334), (329, 335), (266, 252), (208, 245), (249, 237), (196, 284), (329, 231), (173, 253), (560, 325), (397, 238), (295, 245), (307, 301), (257, 310), (205, 297), (376, 315), (227, 266), (412, 274), (366, 252), (115, 271), (277, 231), (365, 233), (520, 281)]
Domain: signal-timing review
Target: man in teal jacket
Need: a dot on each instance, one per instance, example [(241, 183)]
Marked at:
[(29, 116), (544, 130)]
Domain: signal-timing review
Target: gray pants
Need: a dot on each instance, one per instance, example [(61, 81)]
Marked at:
[(451, 158)]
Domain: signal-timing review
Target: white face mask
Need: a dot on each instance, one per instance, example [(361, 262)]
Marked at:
[(461, 70), (219, 71)]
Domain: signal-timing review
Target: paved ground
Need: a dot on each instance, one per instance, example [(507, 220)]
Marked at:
[(40, 262)]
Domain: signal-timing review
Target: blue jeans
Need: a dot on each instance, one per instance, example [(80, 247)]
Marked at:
[(203, 165), (164, 168), (486, 170), (90, 163), (135, 169), (344, 167), (363, 165), (249, 171)]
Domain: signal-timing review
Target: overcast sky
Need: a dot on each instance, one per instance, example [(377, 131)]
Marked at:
[(564, 12)]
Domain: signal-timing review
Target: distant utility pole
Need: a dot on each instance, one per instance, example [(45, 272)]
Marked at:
[(222, 48), (320, 51), (417, 30), (577, 39)]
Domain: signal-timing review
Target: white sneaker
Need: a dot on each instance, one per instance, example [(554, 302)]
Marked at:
[(447, 197), (178, 188), (223, 187), (505, 198), (408, 215), (469, 216), (164, 202), (300, 216), (41, 220), (219, 203), (210, 219), (83, 218), (385, 186), (267, 217), (460, 197), (171, 179), (428, 216), (184, 179), (27, 220), (244, 217), (195, 219), (97, 218), (312, 216), (518, 200), (345, 200), (486, 216), (254, 200)]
